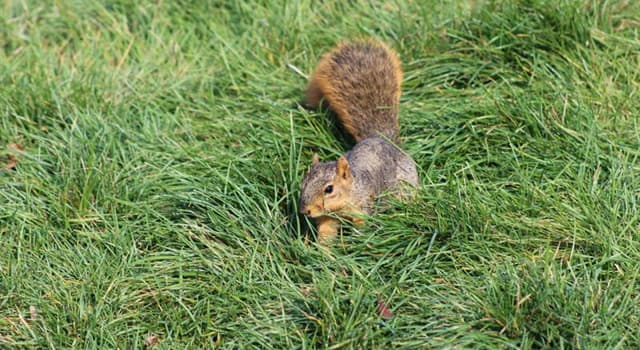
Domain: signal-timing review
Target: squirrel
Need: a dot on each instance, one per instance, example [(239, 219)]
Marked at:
[(361, 83)]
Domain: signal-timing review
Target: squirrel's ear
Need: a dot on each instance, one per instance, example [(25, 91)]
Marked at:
[(342, 168), (315, 159)]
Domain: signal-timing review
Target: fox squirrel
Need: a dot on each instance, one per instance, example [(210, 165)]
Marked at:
[(361, 82)]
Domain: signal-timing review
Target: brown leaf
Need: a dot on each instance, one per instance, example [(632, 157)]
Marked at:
[(383, 310), (11, 163), (12, 159), (15, 147), (151, 340)]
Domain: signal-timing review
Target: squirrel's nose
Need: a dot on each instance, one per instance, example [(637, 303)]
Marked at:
[(305, 211)]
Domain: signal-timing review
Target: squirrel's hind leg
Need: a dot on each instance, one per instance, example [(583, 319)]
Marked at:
[(406, 191)]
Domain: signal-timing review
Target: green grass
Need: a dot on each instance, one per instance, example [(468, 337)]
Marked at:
[(164, 148)]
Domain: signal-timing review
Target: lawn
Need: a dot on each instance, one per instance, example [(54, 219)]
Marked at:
[(151, 154)]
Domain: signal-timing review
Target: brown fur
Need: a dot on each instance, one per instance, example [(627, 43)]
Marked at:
[(361, 81)]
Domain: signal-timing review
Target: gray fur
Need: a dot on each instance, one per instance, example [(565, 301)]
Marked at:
[(376, 166), (315, 179)]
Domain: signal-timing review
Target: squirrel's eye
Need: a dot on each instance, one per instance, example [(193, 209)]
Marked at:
[(328, 189)]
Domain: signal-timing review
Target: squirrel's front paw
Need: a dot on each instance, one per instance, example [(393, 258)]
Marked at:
[(327, 229)]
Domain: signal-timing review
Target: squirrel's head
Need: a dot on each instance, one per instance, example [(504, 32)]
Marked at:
[(326, 188)]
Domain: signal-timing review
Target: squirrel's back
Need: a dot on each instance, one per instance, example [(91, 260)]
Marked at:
[(361, 82)]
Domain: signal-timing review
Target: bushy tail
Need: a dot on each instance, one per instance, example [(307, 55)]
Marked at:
[(361, 82)]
